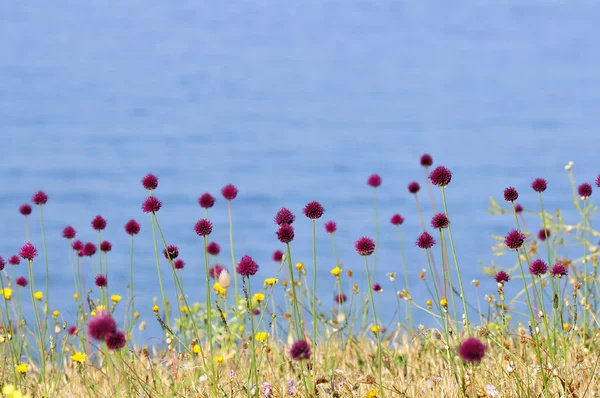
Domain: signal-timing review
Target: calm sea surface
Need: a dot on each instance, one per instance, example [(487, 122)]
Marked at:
[(291, 103)]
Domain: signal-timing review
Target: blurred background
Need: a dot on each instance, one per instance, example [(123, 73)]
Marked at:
[(291, 103)]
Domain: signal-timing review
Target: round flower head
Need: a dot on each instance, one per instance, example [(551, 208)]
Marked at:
[(69, 232), (502, 277), (598, 181), (340, 298), (89, 249), (543, 234), (374, 180), (229, 192), (585, 190), (277, 256), (179, 264), (77, 245), (213, 249), (203, 227), (151, 205), (538, 268), (115, 340), (313, 210), (247, 266), (425, 241), (440, 176), (150, 182), (132, 227), (300, 350), (510, 194), (105, 246), (40, 198), (72, 330), (472, 350), (365, 246), (414, 187), (21, 281), (99, 223), (171, 252), (377, 288), (206, 201), (255, 311), (101, 325), (539, 185), (330, 227), (426, 160), (215, 271), (28, 252), (25, 209), (518, 208), (397, 219), (440, 221), (514, 239), (2, 263), (284, 216), (14, 260), (101, 280), (285, 233), (558, 270)]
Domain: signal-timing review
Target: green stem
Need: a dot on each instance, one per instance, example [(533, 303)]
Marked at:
[(378, 335), (314, 295), (235, 279)]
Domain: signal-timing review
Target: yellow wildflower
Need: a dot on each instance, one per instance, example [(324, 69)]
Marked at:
[(75, 296), (7, 293), (258, 297), (155, 308), (299, 265), (336, 271), (375, 329), (183, 308), (38, 295), (219, 289), (22, 368), (261, 336), (271, 281), (219, 359), (115, 298), (566, 327), (429, 304), (100, 307), (78, 357), (373, 393), (196, 349), (55, 314), (444, 302)]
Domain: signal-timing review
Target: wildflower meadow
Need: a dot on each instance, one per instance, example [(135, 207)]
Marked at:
[(534, 335)]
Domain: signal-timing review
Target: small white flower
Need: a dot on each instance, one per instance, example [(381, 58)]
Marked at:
[(491, 390)]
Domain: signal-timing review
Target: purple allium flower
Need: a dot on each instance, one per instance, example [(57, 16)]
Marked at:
[(598, 181), (397, 219), (206, 201), (105, 246), (374, 180), (229, 192), (277, 256), (365, 246), (510, 194), (313, 210), (171, 251), (539, 185), (543, 234), (514, 239), (151, 205), (101, 281), (255, 311), (538, 268), (213, 249), (215, 271), (2, 263), (101, 325), (414, 187), (21, 281), (426, 160), (377, 287), (300, 350), (247, 266), (585, 190), (330, 227), (203, 227), (72, 330), (150, 182), (340, 298), (25, 209), (425, 241), (40, 198), (69, 232), (14, 260), (115, 340), (440, 221), (132, 227), (179, 264), (558, 270), (472, 350), (28, 252), (77, 245), (502, 277), (285, 233), (284, 216), (518, 208), (99, 223), (440, 176), (89, 249)]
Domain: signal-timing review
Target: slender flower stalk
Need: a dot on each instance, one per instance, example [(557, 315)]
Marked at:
[(375, 181), (426, 162)]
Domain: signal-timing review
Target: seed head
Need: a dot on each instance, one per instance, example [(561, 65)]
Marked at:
[(558, 270), (171, 252), (510, 194), (229, 192), (502, 277), (69, 232), (374, 180), (151, 205), (514, 239), (115, 340), (585, 190), (284, 216), (330, 227), (539, 185), (132, 227), (397, 219), (213, 249), (28, 252), (247, 266), (285, 233), (206, 201), (365, 246), (414, 187), (277, 256), (538, 268), (203, 227), (543, 234), (101, 281), (440, 221), (25, 209), (21, 281), (150, 182), (300, 350), (98, 223), (101, 325), (425, 241), (313, 210), (472, 350), (178, 264), (426, 160), (105, 246), (440, 176), (40, 198)]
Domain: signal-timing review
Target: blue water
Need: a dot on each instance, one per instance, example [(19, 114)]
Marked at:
[(291, 103)]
